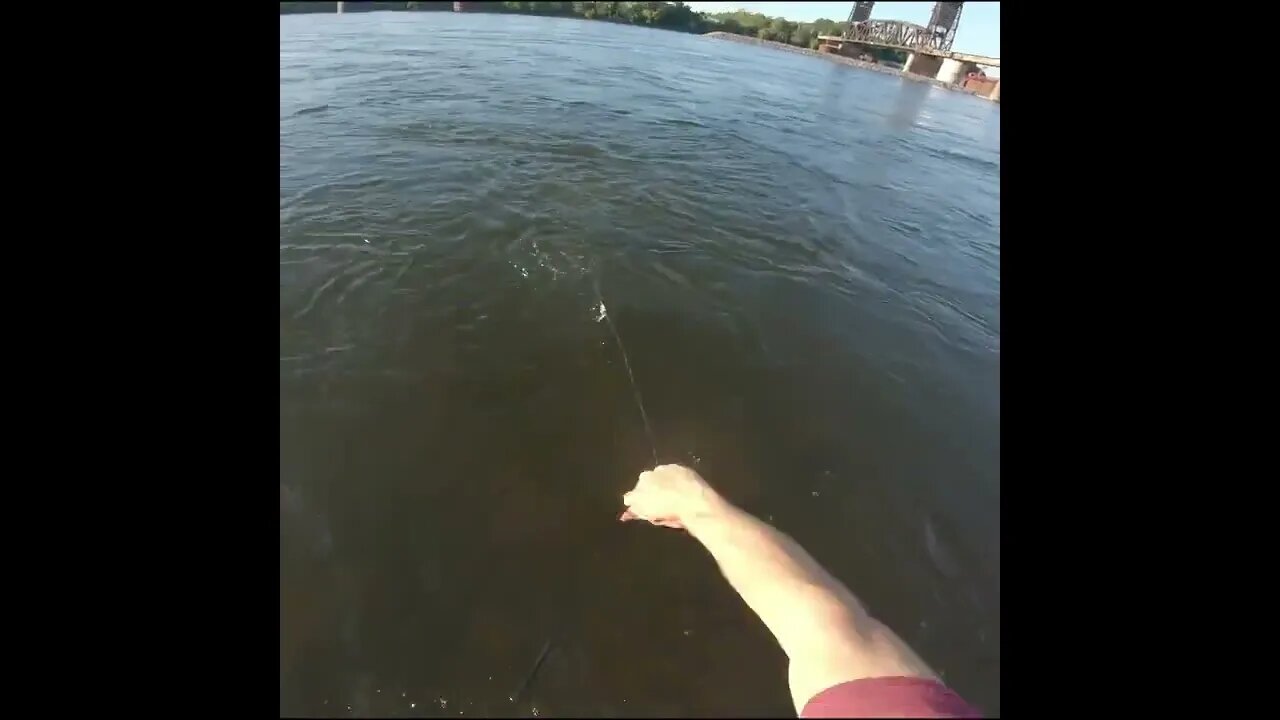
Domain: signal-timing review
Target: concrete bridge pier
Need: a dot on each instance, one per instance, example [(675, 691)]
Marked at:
[(340, 8), (920, 64), (950, 70), (995, 92)]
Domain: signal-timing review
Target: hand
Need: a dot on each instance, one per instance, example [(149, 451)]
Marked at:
[(671, 496)]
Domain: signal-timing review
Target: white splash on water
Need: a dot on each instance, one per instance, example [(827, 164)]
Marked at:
[(531, 259), (600, 308)]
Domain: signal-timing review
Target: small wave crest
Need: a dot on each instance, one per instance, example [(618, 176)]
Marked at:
[(310, 110)]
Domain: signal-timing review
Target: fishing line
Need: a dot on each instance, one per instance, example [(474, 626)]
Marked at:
[(626, 361)]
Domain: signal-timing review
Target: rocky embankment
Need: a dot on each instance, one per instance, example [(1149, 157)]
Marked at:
[(834, 58)]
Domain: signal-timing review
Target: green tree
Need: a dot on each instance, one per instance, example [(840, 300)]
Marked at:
[(823, 26)]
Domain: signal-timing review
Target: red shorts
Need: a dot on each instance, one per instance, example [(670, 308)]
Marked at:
[(888, 697)]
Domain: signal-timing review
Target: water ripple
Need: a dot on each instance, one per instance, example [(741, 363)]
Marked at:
[(802, 261)]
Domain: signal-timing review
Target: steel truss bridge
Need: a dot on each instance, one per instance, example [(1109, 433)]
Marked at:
[(937, 36)]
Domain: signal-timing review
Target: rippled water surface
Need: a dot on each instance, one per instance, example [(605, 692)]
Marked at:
[(802, 261)]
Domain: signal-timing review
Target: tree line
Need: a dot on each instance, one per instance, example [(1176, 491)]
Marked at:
[(669, 15)]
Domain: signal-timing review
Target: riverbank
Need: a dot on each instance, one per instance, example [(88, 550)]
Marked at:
[(839, 59)]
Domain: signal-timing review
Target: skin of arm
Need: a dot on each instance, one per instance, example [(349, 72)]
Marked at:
[(826, 633)]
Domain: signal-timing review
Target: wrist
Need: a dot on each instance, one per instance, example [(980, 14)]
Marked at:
[(714, 509)]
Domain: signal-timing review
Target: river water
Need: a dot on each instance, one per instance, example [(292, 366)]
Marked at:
[(802, 261)]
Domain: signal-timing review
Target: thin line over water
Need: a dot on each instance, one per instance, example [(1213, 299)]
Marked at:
[(626, 361)]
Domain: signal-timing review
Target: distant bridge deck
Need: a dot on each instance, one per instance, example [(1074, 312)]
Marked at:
[(962, 57)]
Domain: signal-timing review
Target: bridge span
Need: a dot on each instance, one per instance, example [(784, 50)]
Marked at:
[(928, 47)]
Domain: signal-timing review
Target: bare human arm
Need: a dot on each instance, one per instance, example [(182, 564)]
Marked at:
[(826, 633)]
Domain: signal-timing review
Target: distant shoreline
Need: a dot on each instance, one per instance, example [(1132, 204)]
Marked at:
[(719, 35)]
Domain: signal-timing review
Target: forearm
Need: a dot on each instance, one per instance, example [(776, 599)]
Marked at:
[(820, 624), (828, 636), (776, 577)]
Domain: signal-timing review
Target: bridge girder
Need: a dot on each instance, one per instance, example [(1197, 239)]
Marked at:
[(938, 36), (861, 11)]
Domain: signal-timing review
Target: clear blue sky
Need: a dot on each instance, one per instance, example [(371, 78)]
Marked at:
[(979, 31)]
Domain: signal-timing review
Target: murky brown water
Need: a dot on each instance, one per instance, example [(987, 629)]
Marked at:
[(802, 260)]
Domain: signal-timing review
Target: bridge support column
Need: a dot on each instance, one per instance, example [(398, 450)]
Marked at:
[(995, 92), (920, 64), (339, 8), (949, 73)]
